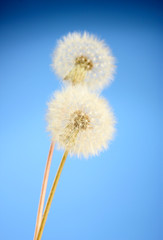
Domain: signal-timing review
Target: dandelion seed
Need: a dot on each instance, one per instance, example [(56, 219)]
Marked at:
[(82, 58)]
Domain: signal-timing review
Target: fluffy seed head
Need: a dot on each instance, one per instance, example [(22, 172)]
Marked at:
[(80, 121), (82, 58)]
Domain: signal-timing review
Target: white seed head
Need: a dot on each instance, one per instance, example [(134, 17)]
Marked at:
[(80, 121), (97, 65)]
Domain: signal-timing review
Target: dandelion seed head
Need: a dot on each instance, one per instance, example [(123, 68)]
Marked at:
[(82, 58), (80, 121)]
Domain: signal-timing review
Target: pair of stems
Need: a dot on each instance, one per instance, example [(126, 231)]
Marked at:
[(41, 219)]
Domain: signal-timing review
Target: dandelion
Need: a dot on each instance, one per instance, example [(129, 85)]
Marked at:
[(80, 121), (82, 58)]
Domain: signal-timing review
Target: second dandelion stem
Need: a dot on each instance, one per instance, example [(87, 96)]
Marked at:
[(50, 198), (43, 190)]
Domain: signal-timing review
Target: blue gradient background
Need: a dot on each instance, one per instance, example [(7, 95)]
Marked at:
[(117, 195)]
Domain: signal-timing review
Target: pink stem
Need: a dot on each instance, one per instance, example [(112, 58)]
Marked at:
[(43, 190)]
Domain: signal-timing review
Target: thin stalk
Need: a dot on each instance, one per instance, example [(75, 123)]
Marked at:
[(51, 195), (43, 190), (76, 75)]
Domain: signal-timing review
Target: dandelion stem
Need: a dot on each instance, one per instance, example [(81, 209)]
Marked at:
[(76, 75), (43, 190), (51, 195)]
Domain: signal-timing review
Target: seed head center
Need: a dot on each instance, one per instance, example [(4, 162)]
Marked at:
[(80, 120), (84, 62)]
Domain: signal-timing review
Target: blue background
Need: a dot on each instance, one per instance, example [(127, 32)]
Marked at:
[(117, 195)]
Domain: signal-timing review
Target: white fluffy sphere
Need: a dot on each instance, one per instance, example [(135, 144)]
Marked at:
[(75, 46), (80, 121)]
